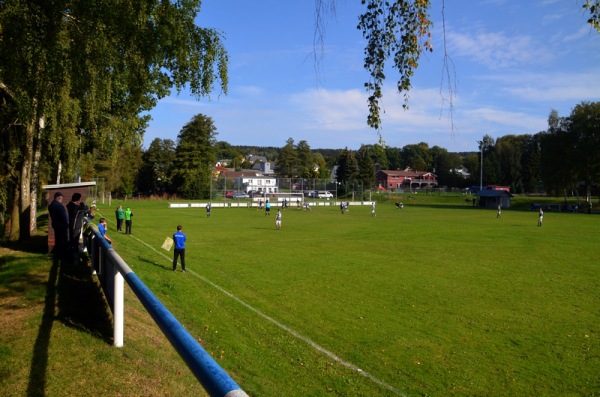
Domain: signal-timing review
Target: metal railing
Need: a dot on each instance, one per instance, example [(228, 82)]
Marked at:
[(112, 271)]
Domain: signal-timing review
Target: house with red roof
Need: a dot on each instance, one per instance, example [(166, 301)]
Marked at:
[(406, 179)]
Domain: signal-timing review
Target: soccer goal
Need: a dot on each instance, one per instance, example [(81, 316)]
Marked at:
[(290, 200)]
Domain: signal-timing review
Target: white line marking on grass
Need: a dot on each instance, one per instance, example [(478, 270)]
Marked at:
[(284, 327)]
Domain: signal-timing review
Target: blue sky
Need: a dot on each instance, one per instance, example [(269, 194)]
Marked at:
[(514, 61)]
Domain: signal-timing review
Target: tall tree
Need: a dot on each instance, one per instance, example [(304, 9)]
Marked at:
[(394, 157), (347, 171), (306, 161), (366, 168), (509, 149), (557, 143), (445, 165), (584, 125), (417, 156), (287, 162), (156, 172), (87, 70), (530, 162), (323, 170), (347, 166), (196, 156)]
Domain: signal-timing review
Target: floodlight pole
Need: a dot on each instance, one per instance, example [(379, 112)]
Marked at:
[(481, 167)]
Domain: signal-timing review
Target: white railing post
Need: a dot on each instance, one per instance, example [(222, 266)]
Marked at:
[(118, 304)]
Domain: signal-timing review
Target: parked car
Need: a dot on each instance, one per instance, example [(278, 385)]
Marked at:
[(311, 194), (239, 195), (324, 194), (229, 193)]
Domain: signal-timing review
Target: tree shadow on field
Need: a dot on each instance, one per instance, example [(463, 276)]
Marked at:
[(162, 267), (74, 298), (33, 245)]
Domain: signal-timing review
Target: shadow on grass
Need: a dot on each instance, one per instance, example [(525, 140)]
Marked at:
[(75, 299), (33, 245), (162, 267)]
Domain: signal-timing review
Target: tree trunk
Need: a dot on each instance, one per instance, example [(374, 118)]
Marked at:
[(14, 218), (35, 181), (58, 172), (25, 201)]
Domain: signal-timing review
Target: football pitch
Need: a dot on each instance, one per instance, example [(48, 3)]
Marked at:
[(429, 300)]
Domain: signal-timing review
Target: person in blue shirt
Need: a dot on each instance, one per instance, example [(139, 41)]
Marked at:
[(102, 229), (179, 252), (267, 208)]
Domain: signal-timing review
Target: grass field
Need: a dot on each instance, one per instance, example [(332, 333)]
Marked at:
[(432, 300)]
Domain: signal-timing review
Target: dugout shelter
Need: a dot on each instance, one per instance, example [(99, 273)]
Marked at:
[(67, 190)]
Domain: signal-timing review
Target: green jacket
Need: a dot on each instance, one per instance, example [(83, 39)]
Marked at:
[(120, 213), (128, 214)]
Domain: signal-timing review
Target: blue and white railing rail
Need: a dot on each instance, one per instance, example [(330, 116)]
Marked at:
[(112, 271)]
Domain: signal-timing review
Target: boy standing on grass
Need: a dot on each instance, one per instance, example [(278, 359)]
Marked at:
[(278, 220), (208, 210), (267, 208), (541, 217), (179, 239)]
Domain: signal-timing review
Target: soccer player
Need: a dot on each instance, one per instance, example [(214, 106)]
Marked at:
[(278, 220), (179, 251)]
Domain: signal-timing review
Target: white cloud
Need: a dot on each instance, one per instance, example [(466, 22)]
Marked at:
[(552, 87), (497, 50)]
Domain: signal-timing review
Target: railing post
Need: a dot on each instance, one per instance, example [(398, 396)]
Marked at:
[(118, 304)]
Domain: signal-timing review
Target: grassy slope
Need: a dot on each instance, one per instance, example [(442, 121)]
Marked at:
[(428, 300)]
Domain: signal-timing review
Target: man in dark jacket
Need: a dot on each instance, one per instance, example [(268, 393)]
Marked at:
[(76, 210), (60, 224)]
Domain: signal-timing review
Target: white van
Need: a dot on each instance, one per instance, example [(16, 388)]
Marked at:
[(324, 194)]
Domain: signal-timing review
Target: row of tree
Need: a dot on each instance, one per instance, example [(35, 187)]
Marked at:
[(563, 158)]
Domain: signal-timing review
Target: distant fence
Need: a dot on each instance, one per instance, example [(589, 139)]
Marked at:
[(112, 271), (249, 204)]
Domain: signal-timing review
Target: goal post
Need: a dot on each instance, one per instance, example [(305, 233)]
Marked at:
[(292, 200)]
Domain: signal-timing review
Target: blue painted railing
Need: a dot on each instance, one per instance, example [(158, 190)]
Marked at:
[(109, 266)]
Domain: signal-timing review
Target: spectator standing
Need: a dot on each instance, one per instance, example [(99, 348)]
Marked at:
[(60, 224), (179, 252), (76, 210), (128, 215), (208, 210), (120, 218)]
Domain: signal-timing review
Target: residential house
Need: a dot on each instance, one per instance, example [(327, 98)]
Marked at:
[(407, 179), (265, 167), (251, 180)]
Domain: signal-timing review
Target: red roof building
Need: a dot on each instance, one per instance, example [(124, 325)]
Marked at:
[(407, 179)]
